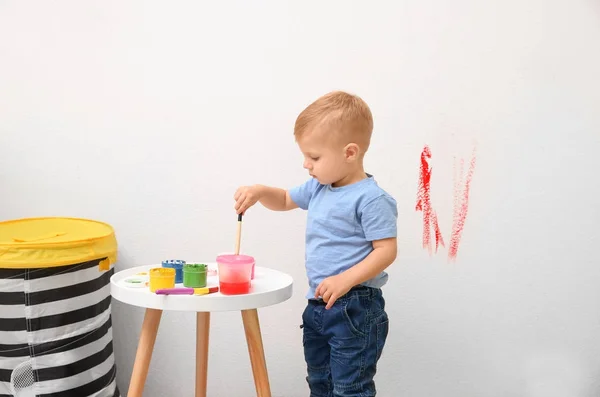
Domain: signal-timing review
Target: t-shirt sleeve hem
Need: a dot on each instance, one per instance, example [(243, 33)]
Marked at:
[(296, 197), (381, 234)]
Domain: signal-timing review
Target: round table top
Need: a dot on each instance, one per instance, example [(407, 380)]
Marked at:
[(269, 287)]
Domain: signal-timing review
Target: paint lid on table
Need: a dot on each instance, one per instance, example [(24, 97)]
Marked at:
[(136, 281), (231, 259)]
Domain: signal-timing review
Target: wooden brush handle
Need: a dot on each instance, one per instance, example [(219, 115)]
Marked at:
[(238, 238)]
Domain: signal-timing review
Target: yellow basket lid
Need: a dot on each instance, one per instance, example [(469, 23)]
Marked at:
[(54, 241)]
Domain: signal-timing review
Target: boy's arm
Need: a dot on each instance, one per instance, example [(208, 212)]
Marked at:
[(273, 198), (383, 255)]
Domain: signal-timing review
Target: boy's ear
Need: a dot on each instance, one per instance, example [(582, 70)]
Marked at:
[(351, 151)]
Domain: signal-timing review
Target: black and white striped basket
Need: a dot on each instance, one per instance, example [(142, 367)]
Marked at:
[(56, 332), (55, 320)]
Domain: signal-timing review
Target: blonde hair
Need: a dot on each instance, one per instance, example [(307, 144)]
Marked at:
[(348, 115)]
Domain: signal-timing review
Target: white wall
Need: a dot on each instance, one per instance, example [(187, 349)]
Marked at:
[(148, 115)]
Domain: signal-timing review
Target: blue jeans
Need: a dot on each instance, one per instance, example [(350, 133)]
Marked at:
[(342, 345)]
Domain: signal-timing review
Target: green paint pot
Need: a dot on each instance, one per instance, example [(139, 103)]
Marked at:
[(194, 275)]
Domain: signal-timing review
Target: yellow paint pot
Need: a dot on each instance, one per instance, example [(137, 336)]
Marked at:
[(162, 277)]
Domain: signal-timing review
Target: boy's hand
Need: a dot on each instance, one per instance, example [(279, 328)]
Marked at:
[(332, 288), (245, 197)]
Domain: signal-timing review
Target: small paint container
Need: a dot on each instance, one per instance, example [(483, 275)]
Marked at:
[(194, 275), (161, 278), (178, 266), (241, 257), (235, 274)]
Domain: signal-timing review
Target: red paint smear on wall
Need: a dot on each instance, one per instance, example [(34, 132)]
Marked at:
[(461, 205), (424, 203)]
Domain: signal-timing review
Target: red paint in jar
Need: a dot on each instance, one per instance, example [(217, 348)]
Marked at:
[(234, 288)]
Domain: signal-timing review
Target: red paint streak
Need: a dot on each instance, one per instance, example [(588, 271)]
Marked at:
[(439, 240), (461, 205), (424, 203)]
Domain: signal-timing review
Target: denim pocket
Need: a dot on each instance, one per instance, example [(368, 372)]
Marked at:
[(376, 307), (382, 329), (304, 323), (355, 316)]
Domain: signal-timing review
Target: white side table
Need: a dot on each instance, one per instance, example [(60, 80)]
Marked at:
[(269, 287)]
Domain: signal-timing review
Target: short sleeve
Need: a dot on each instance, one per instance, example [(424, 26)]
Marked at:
[(302, 194), (379, 218)]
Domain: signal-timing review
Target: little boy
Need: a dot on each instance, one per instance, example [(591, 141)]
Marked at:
[(350, 241)]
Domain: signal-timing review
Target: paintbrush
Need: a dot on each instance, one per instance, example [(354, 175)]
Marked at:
[(238, 238)]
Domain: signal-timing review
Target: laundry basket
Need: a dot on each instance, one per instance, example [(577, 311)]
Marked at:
[(55, 308)]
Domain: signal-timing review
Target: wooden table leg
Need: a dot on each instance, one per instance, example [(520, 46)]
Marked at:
[(257, 354), (144, 352), (202, 331)]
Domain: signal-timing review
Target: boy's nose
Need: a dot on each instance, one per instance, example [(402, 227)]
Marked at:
[(306, 165)]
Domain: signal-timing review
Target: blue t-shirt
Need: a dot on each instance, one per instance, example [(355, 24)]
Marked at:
[(342, 222)]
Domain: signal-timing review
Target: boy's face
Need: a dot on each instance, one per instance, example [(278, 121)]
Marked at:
[(325, 157)]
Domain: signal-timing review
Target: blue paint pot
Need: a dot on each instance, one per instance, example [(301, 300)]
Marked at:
[(178, 266)]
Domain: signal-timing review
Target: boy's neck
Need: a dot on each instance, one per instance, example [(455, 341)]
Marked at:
[(351, 178)]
